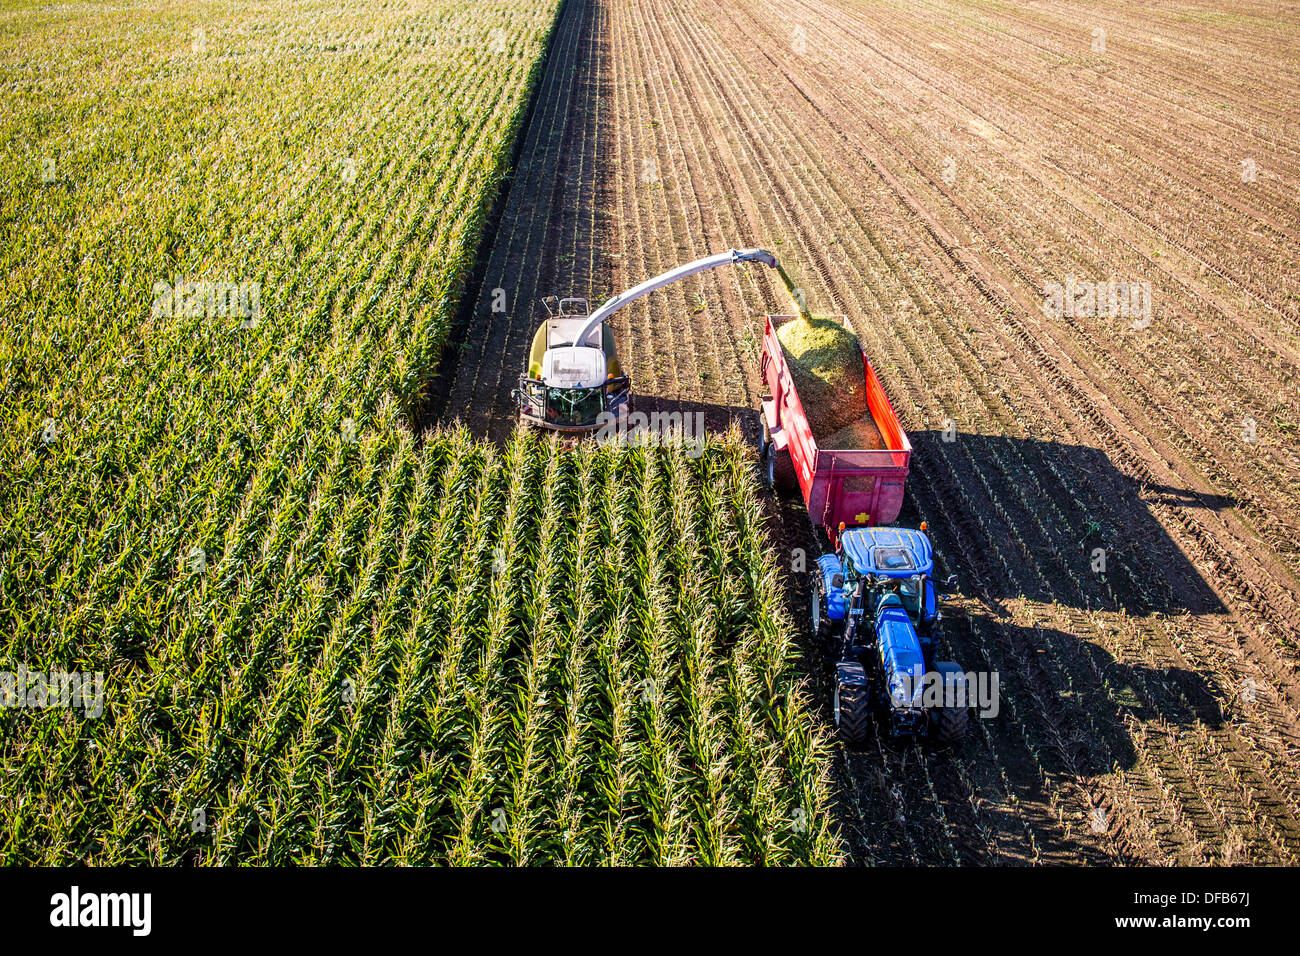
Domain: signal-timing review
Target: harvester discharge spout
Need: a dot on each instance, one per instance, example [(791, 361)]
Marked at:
[(613, 304)]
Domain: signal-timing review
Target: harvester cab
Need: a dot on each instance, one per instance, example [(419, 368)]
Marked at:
[(574, 381), (573, 377), (876, 603)]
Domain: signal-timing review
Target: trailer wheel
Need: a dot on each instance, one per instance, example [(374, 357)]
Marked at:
[(778, 466), (949, 725), (783, 472), (778, 469), (851, 714), (765, 463)]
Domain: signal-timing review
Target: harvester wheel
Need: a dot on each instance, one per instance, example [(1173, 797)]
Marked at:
[(851, 715), (949, 725)]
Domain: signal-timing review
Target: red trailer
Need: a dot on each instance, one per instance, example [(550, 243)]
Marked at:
[(855, 487)]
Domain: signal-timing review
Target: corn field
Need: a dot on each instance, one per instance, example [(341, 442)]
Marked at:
[(233, 242), (450, 654)]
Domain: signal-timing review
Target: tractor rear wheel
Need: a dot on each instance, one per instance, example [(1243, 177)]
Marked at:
[(949, 725), (851, 714)]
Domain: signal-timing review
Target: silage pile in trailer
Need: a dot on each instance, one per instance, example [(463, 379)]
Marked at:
[(859, 433), (826, 365)]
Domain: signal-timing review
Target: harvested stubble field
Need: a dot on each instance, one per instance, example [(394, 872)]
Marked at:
[(1118, 497), (325, 636)]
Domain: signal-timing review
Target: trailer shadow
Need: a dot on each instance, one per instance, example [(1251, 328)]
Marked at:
[(1080, 532), (1022, 518)]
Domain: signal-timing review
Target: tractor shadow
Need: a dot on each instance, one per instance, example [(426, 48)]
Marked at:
[(1027, 524), (1066, 710)]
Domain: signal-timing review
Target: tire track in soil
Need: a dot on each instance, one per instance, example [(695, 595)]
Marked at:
[(745, 155)]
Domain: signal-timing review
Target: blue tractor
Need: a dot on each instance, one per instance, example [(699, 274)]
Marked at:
[(876, 604)]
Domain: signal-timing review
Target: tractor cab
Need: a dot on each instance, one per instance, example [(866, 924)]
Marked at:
[(897, 562), (573, 376)]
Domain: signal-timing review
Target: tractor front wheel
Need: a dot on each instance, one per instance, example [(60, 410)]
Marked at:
[(851, 714), (949, 725)]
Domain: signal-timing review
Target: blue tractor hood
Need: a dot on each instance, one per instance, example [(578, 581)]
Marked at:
[(900, 653), (892, 552)]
